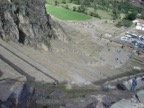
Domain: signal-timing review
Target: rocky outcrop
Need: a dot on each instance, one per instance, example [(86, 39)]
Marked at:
[(25, 21), (59, 30)]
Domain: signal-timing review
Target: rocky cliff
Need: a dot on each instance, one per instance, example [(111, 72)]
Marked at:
[(25, 21)]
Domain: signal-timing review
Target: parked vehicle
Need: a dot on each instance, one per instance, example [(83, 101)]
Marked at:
[(141, 37), (124, 38), (140, 45)]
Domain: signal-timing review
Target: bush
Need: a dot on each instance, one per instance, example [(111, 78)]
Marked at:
[(131, 16), (96, 15), (115, 17), (76, 2), (142, 16), (125, 23), (63, 1), (86, 12), (81, 9), (56, 3), (91, 13), (66, 6), (45, 106), (74, 8), (119, 24)]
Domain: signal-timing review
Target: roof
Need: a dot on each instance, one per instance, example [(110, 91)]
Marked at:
[(141, 21)]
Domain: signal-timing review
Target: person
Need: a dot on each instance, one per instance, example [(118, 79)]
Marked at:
[(134, 83), (136, 96)]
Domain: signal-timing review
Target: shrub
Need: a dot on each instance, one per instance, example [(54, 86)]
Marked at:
[(81, 9), (119, 24), (45, 106), (131, 16), (96, 15), (63, 1), (91, 13), (76, 2), (56, 3), (74, 8), (66, 6), (125, 23)]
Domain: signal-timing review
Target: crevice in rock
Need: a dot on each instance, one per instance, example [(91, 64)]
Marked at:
[(22, 37), (1, 36)]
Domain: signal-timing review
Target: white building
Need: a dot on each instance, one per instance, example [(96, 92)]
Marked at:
[(139, 24)]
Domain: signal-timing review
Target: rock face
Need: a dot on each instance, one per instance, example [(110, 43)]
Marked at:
[(25, 21)]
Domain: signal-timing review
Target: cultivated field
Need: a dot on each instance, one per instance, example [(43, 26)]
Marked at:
[(65, 14)]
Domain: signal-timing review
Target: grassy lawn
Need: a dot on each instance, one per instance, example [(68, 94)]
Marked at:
[(65, 14)]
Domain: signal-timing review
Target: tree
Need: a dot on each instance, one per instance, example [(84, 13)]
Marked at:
[(142, 15), (74, 8), (95, 5), (66, 6), (131, 16), (81, 9), (126, 23), (64, 1), (56, 3)]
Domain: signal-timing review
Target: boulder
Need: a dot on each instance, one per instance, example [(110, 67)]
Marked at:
[(16, 95), (109, 100), (127, 103), (121, 87)]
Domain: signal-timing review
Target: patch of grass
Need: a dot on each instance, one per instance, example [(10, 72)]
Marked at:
[(74, 93), (104, 14), (135, 62), (71, 93), (65, 14), (47, 89)]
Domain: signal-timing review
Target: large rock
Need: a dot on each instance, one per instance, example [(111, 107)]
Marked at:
[(16, 95), (127, 104), (25, 21)]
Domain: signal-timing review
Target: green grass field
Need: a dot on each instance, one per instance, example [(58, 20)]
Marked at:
[(65, 14)]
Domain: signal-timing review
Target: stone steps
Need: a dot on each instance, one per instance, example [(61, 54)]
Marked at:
[(23, 64), (9, 73), (33, 56)]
